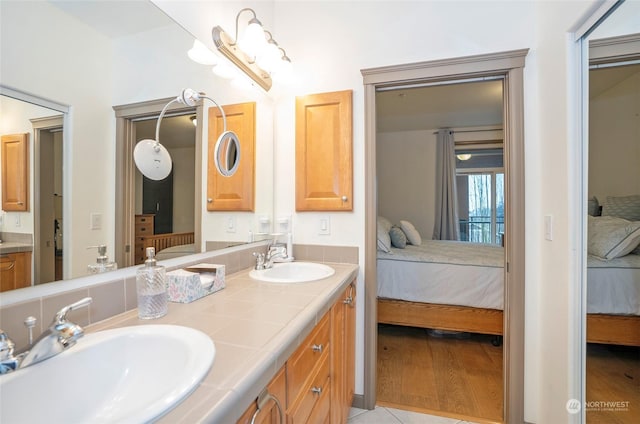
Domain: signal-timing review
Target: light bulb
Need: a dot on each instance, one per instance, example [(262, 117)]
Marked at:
[(253, 39), (464, 156), (199, 53), (269, 56), (225, 70)]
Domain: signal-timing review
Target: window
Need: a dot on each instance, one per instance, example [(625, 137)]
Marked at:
[(480, 183)]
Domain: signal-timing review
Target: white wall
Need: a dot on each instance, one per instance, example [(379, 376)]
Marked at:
[(330, 42), (614, 140), (406, 173), (14, 119)]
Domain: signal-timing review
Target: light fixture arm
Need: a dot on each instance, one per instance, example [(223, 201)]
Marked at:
[(255, 18)]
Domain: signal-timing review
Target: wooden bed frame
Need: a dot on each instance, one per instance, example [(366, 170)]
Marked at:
[(162, 241), (606, 329)]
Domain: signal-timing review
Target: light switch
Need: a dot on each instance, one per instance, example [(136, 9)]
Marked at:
[(231, 224), (548, 227), (324, 228), (95, 221)]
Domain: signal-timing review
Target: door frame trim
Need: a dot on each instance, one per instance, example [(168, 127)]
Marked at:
[(510, 65), (125, 171)]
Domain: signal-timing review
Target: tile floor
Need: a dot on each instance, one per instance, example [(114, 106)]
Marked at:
[(382, 415)]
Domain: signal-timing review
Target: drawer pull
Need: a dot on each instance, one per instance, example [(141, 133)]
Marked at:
[(317, 348), (316, 390)]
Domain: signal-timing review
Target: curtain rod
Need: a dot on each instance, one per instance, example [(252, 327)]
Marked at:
[(466, 131)]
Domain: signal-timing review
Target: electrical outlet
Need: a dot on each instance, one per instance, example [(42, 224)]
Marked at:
[(18, 223), (548, 227)]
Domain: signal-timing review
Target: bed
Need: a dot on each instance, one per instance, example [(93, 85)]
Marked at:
[(458, 286)]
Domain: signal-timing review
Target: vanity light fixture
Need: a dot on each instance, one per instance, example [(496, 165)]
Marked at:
[(464, 156), (256, 55), (154, 161)]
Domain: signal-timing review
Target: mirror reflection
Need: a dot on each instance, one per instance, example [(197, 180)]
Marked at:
[(131, 53), (613, 260)]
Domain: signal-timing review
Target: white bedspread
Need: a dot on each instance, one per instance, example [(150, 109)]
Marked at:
[(444, 272), (472, 274), (613, 287)]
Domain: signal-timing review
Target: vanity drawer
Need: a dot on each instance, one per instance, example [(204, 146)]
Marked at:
[(313, 395), (321, 413), (302, 363)]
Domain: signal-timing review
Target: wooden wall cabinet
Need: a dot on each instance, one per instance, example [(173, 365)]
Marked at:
[(15, 271), (237, 192), (15, 172), (324, 152), (317, 382)]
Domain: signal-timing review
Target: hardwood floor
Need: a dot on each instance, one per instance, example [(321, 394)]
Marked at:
[(446, 376), (613, 375)]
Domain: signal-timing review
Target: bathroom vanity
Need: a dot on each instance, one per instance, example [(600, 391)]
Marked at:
[(295, 341)]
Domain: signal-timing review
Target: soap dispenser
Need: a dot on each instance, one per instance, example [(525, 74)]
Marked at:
[(102, 261), (151, 286)]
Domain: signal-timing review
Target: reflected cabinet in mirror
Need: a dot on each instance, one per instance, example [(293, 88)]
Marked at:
[(613, 224), (83, 80)]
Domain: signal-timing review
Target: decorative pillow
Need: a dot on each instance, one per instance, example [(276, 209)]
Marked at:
[(610, 237), (627, 207), (413, 236), (385, 223), (593, 207), (384, 240), (398, 238)]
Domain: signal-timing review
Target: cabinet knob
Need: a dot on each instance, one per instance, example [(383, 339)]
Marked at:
[(345, 198), (316, 348), (209, 200), (316, 390), (348, 300)]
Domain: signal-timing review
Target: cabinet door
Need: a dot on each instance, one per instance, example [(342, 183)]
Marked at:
[(343, 355), (15, 271), (15, 172), (324, 150), (270, 413), (237, 192)]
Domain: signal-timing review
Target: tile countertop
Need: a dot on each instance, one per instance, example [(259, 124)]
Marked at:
[(255, 327), (14, 247)]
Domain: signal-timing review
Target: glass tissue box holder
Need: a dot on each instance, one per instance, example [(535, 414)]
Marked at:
[(192, 283)]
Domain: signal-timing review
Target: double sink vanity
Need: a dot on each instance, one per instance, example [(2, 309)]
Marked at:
[(278, 339)]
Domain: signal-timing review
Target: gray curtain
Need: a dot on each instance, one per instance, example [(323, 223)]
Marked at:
[(446, 220)]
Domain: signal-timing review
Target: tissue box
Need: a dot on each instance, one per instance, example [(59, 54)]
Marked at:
[(188, 284)]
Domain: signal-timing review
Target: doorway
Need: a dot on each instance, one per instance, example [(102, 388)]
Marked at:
[(441, 371), (133, 123), (509, 65), (48, 205)]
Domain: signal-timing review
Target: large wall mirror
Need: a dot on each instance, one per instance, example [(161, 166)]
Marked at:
[(612, 351), (74, 62)]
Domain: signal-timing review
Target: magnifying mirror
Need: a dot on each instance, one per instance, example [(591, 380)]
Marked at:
[(226, 154), (152, 159)]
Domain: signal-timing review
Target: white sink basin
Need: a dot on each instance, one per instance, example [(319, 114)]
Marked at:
[(293, 272), (124, 375)]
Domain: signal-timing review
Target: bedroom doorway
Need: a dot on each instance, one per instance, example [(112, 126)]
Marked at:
[(508, 66), (435, 362)]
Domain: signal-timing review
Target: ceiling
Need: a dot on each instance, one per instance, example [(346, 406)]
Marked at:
[(115, 18), (601, 80), (469, 104)]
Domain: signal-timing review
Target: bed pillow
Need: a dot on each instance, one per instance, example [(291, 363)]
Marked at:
[(384, 240), (593, 207), (413, 236), (398, 238), (610, 237), (385, 223), (627, 207)]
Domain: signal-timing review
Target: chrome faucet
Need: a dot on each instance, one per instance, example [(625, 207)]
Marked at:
[(275, 251), (60, 336)]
